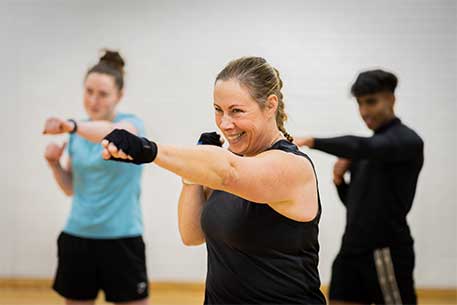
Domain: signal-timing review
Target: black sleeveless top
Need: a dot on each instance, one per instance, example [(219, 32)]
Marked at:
[(258, 256)]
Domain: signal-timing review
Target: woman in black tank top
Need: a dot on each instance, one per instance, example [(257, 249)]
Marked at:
[(256, 255), (256, 205)]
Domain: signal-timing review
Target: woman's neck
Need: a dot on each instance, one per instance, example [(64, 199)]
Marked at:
[(109, 117), (267, 141)]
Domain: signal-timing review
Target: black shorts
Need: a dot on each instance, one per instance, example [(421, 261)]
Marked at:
[(382, 276), (116, 266)]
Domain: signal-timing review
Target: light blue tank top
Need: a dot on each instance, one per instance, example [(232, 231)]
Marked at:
[(106, 199)]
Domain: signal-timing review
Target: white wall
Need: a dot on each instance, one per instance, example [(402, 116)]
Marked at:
[(174, 50)]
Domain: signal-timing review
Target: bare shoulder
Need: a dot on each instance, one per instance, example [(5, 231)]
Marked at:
[(295, 165), (273, 176), (302, 183)]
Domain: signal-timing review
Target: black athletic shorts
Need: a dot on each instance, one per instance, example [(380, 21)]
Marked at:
[(116, 266), (382, 276)]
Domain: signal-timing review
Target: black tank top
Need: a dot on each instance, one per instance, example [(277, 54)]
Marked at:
[(258, 256)]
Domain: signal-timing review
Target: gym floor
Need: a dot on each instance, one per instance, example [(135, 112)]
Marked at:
[(168, 294)]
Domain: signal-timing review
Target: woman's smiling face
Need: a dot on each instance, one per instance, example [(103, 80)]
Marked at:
[(240, 118)]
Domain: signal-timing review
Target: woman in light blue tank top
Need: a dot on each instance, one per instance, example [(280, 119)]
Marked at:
[(101, 246)]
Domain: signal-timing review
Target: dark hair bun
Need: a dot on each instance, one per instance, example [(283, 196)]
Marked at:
[(113, 59)]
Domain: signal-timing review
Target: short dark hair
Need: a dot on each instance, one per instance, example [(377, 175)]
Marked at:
[(374, 81)]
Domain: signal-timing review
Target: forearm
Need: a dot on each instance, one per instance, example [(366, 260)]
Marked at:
[(190, 207), (63, 177), (204, 165), (95, 131)]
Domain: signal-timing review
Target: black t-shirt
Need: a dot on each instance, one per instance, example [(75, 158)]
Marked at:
[(258, 256), (384, 173)]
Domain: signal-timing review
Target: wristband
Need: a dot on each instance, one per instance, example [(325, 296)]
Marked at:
[(75, 128)]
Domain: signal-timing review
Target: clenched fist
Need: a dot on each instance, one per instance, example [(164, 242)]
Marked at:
[(55, 125), (339, 169), (54, 152)]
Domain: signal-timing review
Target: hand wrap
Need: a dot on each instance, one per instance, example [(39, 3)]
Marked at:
[(140, 149)]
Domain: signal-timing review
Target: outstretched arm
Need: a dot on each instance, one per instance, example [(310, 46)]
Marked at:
[(251, 178), (384, 147), (93, 131)]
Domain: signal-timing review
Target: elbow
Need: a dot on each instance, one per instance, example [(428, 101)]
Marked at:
[(188, 241), (191, 236), (68, 193)]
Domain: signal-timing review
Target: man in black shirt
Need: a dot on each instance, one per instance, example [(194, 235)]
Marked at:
[(376, 260)]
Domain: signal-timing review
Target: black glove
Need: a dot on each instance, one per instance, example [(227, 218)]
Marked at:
[(140, 149), (210, 138)]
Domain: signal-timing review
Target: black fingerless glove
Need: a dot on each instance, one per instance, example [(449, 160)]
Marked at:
[(140, 149), (210, 138)]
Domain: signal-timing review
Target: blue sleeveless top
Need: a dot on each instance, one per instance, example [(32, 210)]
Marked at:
[(106, 199)]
